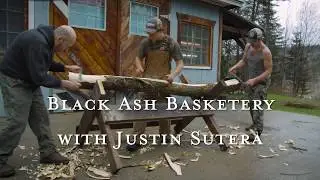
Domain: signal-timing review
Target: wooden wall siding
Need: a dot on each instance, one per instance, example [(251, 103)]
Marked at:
[(129, 43), (95, 49), (163, 4), (204, 11)]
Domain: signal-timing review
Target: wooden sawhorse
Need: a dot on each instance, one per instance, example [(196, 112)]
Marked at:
[(115, 119)]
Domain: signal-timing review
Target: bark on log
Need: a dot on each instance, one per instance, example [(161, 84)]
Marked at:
[(123, 83)]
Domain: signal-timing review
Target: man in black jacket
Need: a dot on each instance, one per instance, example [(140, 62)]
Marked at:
[(23, 70)]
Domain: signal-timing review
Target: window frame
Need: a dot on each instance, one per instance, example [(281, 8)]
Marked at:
[(130, 6), (7, 32), (90, 28), (193, 20)]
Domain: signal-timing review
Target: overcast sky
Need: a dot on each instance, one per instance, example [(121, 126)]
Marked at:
[(289, 10)]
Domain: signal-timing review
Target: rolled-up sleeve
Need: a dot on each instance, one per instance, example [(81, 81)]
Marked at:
[(175, 51)]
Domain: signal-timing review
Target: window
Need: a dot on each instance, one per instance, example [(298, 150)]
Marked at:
[(195, 39), (89, 14), (139, 15), (11, 22)]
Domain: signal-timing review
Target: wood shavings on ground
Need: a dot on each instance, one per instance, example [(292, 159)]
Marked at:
[(151, 165), (282, 148), (52, 171), (146, 149), (298, 148), (67, 171), (173, 166), (234, 127), (23, 168), (125, 157), (290, 141), (271, 150), (197, 155), (291, 145), (181, 164), (98, 173), (267, 156), (186, 131), (232, 152)]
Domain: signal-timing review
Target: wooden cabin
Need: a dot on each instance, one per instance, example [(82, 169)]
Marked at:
[(109, 31)]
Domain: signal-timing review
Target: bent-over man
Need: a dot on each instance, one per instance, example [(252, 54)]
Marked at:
[(23, 70)]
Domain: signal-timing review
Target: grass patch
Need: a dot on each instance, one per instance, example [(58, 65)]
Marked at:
[(281, 101)]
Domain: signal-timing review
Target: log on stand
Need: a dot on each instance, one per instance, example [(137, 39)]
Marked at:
[(103, 84), (123, 83)]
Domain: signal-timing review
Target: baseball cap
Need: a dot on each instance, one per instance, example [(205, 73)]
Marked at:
[(153, 25), (254, 35)]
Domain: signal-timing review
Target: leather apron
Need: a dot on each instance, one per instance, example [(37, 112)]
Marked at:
[(158, 63), (157, 66)]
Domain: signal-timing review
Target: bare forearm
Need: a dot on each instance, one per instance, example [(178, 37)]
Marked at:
[(179, 67), (138, 63), (263, 76)]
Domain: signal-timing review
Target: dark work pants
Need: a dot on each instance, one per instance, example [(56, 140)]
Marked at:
[(23, 105)]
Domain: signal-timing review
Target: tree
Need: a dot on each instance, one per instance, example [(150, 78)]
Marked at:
[(262, 12), (306, 36)]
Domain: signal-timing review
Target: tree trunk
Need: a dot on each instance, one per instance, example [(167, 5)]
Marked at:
[(123, 83), (253, 12)]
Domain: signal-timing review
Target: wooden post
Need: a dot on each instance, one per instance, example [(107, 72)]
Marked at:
[(112, 154), (89, 116), (213, 127)]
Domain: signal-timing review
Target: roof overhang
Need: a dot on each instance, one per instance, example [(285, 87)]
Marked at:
[(235, 26), (226, 4)]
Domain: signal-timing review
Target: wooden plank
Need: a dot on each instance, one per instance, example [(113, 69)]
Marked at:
[(101, 89), (113, 115), (213, 127), (113, 155), (240, 32), (85, 123), (183, 124), (195, 19), (89, 116), (175, 167), (128, 125)]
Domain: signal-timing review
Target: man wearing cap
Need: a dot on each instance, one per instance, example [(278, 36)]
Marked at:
[(258, 58), (154, 61)]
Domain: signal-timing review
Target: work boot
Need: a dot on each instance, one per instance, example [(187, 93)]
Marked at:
[(54, 158), (6, 171), (252, 136), (133, 147), (253, 127)]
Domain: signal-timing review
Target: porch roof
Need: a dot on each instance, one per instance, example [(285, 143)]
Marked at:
[(235, 26), (226, 4)]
